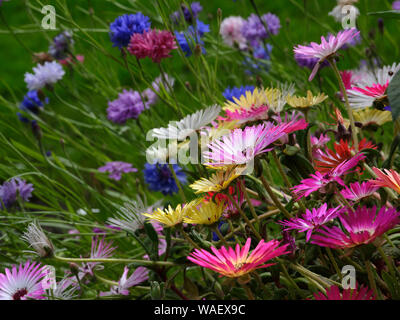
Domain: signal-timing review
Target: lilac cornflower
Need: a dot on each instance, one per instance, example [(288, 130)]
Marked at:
[(254, 31), (128, 105), (122, 29), (312, 220), (44, 75), (116, 169), (11, 189), (61, 45), (160, 178), (236, 92), (31, 103)]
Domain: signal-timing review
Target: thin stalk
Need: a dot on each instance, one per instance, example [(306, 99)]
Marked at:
[(289, 278), (248, 200), (219, 234), (342, 200), (387, 261), (186, 236), (181, 193), (244, 216), (371, 279), (248, 291), (274, 198), (335, 265)]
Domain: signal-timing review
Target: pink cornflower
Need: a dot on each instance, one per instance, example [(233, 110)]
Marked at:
[(333, 293), (364, 97), (319, 181), (22, 282), (155, 44), (100, 250), (358, 191), (387, 178), (326, 48), (312, 220), (363, 226), (236, 263)]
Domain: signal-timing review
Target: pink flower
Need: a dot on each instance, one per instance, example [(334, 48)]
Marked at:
[(312, 220), (364, 97), (236, 263), (319, 181), (155, 44), (23, 282), (244, 115), (387, 178), (358, 191), (138, 276), (333, 293), (319, 142), (362, 227), (326, 48)]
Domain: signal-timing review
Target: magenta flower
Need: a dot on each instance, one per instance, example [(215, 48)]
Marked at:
[(318, 181), (244, 115), (312, 220), (358, 191), (364, 97), (155, 44), (22, 282), (138, 276), (326, 48), (116, 169), (236, 263), (333, 293), (362, 227)]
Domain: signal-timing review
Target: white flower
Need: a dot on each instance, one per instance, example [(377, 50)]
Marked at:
[(366, 78), (231, 31), (38, 240), (277, 97), (65, 290), (183, 128), (44, 74), (337, 11)]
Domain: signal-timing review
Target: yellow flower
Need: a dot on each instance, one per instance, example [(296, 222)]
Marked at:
[(224, 128), (218, 181), (370, 116), (249, 100), (168, 217), (205, 213), (306, 102)]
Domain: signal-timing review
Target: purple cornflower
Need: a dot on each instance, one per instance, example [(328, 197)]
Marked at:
[(10, 189), (159, 177), (236, 92), (22, 282), (125, 26), (61, 45), (254, 31), (31, 103), (116, 169), (312, 220), (129, 105), (195, 7)]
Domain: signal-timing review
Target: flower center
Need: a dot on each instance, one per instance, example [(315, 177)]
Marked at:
[(19, 294)]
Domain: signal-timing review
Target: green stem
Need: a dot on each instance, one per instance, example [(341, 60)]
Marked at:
[(248, 200), (274, 198), (248, 291), (372, 283), (335, 265), (181, 193), (186, 236), (220, 236), (387, 261)]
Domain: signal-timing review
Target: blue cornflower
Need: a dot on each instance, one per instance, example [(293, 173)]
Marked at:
[(10, 189), (159, 177), (31, 103), (189, 39), (236, 92), (125, 26), (261, 56)]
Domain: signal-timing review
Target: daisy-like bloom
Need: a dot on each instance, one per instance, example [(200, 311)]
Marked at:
[(366, 96), (138, 276), (160, 178), (11, 189), (168, 217), (22, 282), (44, 75), (116, 169), (306, 102), (250, 99), (231, 32), (242, 145), (276, 98), (100, 250), (337, 12), (358, 191), (65, 289), (204, 212), (218, 181), (246, 115), (364, 77), (328, 160), (319, 181), (128, 105), (362, 226), (312, 220), (189, 124), (122, 29), (236, 263), (387, 178), (37, 239), (333, 293), (155, 44), (327, 48), (371, 116)]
